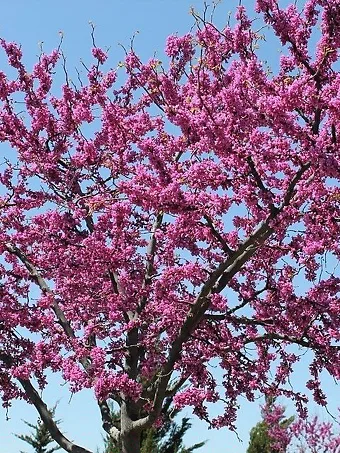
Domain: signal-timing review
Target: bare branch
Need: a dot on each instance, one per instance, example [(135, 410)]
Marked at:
[(256, 175), (46, 417), (114, 281), (218, 236), (88, 219), (274, 336), (305, 343), (106, 416), (228, 313), (229, 268), (43, 411), (252, 322), (175, 387)]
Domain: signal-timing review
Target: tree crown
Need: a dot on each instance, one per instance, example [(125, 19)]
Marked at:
[(173, 219)]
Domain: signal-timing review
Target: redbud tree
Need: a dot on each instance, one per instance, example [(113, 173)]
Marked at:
[(314, 436), (186, 215), (284, 435)]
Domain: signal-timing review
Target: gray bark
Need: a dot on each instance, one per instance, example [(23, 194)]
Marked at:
[(130, 437), (130, 443)]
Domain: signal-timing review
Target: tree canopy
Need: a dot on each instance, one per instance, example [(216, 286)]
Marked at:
[(186, 214)]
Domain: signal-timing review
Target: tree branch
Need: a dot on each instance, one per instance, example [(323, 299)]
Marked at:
[(228, 313), (257, 177), (299, 341), (43, 411), (218, 236), (45, 289), (274, 336), (47, 419), (41, 282), (106, 416), (150, 253), (175, 387)]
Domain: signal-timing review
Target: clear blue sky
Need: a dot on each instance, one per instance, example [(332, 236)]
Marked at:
[(31, 21)]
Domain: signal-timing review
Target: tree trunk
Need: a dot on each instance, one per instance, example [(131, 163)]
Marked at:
[(130, 443), (130, 439)]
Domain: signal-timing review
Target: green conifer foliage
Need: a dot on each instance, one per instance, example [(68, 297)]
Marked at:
[(260, 439), (40, 438)]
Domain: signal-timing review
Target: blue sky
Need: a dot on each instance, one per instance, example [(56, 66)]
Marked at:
[(30, 22)]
